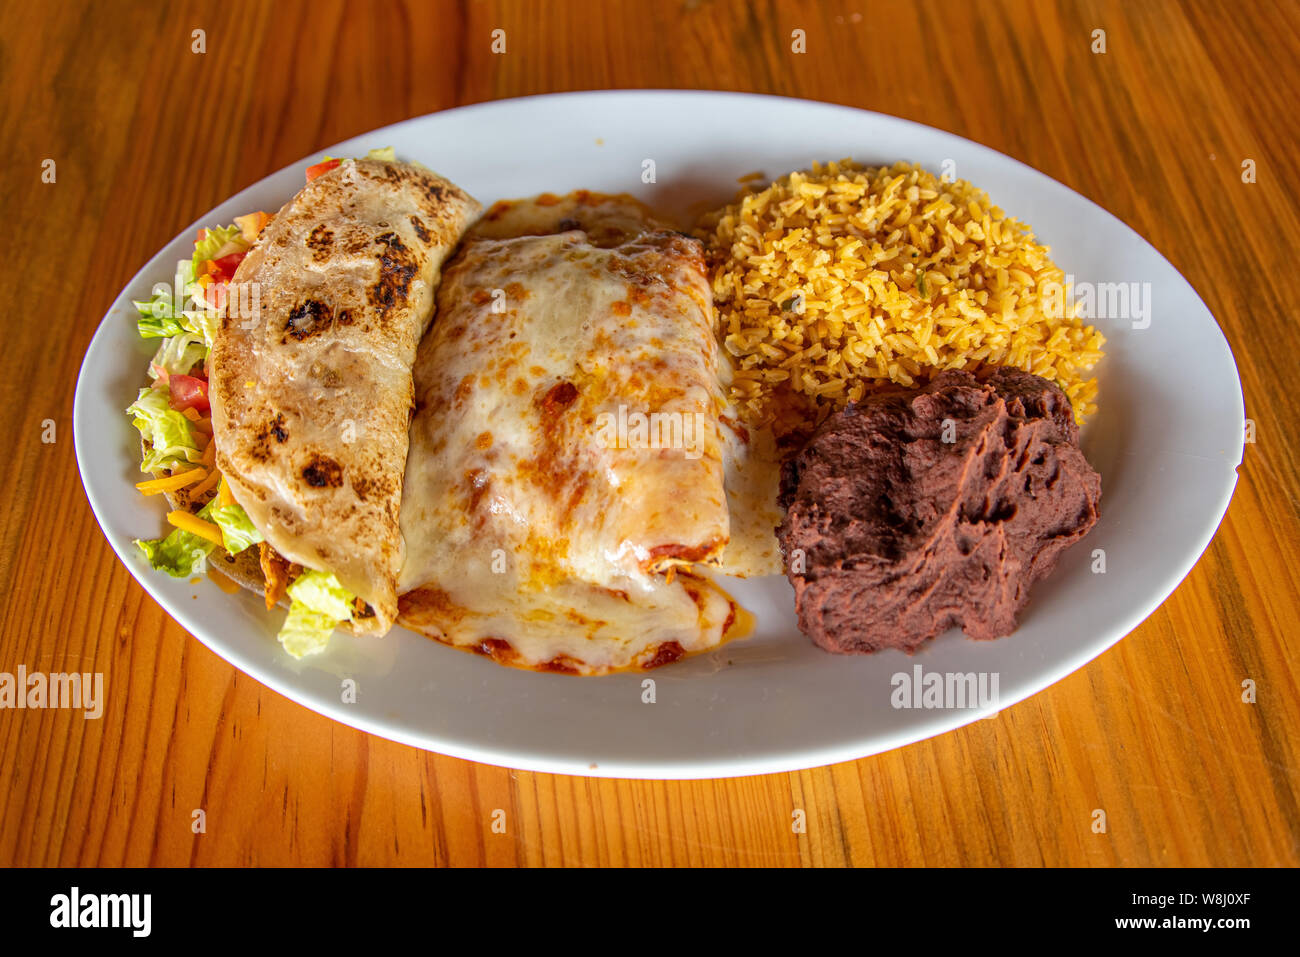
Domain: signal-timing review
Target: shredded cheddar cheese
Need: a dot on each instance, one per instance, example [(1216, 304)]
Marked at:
[(192, 523), (206, 485), (171, 482)]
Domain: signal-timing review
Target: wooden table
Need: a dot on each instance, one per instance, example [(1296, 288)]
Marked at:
[(147, 135)]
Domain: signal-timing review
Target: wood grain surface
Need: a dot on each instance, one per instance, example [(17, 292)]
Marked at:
[(147, 135)]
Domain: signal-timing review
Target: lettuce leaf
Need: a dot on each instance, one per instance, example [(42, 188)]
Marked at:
[(386, 153), (159, 324), (180, 554), (183, 553), (320, 603), (160, 315), (203, 321), (208, 247), (237, 529), (171, 439), (322, 592), (305, 632), (179, 354)]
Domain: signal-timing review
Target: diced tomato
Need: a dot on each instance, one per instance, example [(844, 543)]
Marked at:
[(224, 268), (189, 392), (320, 168), (202, 235)]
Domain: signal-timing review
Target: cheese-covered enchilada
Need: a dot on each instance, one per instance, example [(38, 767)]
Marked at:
[(566, 462)]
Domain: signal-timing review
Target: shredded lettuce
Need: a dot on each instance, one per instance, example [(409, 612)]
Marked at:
[(180, 554), (179, 354), (183, 553), (320, 603), (171, 438), (305, 632), (160, 315), (237, 529), (203, 321), (208, 247), (179, 309), (159, 324), (322, 592)]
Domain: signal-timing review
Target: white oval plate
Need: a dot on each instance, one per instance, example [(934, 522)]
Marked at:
[(1167, 441)]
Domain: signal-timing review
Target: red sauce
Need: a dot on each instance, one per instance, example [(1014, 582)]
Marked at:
[(665, 654)]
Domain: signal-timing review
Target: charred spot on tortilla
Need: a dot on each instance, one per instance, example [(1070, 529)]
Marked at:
[(397, 267), (276, 428), (261, 448), (309, 318), (375, 486), (418, 225), (323, 472), (319, 242), (433, 192), (392, 173)]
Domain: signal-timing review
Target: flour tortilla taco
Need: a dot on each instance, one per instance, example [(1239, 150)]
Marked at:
[(277, 421)]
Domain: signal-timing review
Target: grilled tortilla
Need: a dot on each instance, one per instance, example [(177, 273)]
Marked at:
[(310, 375)]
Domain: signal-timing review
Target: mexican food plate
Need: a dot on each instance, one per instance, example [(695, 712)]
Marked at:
[(936, 432)]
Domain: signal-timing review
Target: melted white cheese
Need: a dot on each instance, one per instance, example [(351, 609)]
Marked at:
[(566, 460)]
